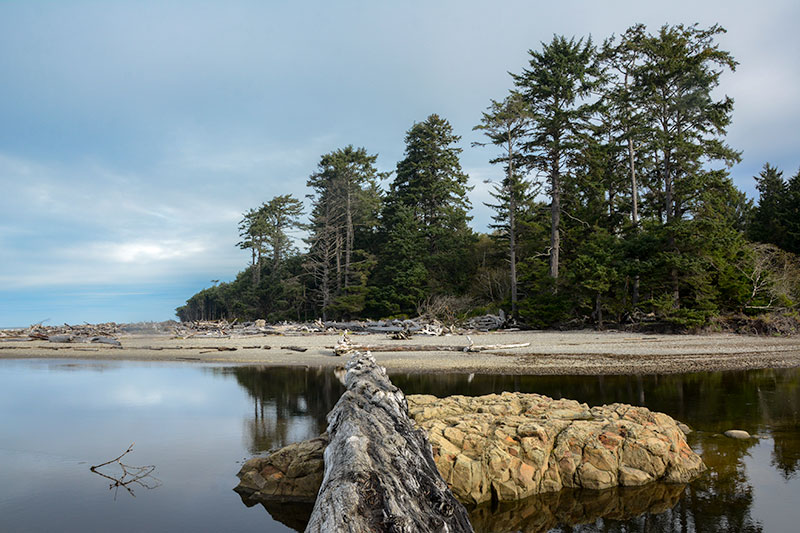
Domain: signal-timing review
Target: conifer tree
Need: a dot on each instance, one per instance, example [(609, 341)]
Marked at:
[(507, 125), (426, 210), (345, 204), (685, 131), (554, 85), (767, 224)]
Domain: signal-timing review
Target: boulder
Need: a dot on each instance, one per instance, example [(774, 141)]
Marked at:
[(291, 474), (509, 446)]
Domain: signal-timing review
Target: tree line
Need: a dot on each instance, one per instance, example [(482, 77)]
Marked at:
[(613, 203)]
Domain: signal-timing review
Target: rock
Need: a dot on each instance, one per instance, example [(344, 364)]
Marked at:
[(510, 446), (291, 474), (739, 434), (683, 427)]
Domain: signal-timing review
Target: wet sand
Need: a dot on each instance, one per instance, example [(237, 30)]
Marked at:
[(574, 352)]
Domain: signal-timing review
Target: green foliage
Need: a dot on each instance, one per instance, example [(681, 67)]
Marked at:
[(776, 219), (641, 219), (424, 228), (346, 201)]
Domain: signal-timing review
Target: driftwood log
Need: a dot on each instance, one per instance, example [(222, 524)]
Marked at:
[(379, 468), (345, 346)]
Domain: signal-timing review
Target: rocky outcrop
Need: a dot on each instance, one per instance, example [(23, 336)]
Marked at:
[(510, 446), (291, 474)]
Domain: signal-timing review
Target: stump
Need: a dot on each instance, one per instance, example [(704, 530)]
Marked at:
[(379, 468)]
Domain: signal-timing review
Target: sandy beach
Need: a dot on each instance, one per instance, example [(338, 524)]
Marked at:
[(574, 352)]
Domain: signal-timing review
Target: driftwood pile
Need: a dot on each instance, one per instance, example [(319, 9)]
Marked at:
[(399, 329), (379, 468), (106, 333)]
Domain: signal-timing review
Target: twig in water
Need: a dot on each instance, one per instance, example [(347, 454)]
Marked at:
[(131, 475)]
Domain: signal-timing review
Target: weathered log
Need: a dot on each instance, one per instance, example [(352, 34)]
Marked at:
[(345, 346), (294, 348), (379, 469)]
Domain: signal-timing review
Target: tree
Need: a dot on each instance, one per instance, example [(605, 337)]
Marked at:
[(558, 78), (345, 206), (281, 215), (684, 124), (264, 231), (507, 125), (619, 63), (427, 203), (767, 224), (791, 215), (252, 228)]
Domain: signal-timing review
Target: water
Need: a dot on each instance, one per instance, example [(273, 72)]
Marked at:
[(196, 424)]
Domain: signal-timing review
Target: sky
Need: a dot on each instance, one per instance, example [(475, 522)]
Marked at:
[(133, 135)]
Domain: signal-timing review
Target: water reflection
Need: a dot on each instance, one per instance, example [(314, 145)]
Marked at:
[(764, 402), (282, 397), (547, 511)]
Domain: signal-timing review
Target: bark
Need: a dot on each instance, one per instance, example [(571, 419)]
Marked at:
[(555, 218), (512, 229), (379, 469), (348, 244), (634, 207)]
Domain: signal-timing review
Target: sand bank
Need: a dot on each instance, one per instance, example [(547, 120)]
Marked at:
[(574, 352)]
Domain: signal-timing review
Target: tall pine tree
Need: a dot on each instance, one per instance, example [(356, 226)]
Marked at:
[(554, 86), (424, 221)]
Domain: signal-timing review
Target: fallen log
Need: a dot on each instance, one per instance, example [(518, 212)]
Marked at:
[(379, 468), (345, 347), (294, 348)]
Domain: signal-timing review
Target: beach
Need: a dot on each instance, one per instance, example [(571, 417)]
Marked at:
[(547, 353)]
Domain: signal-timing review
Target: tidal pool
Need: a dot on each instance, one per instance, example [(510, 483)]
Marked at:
[(195, 424)]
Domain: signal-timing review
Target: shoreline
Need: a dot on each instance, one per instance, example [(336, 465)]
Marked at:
[(584, 352)]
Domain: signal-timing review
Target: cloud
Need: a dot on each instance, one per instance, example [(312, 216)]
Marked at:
[(134, 136)]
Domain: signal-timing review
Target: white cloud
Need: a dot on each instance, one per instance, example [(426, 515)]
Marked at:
[(147, 396)]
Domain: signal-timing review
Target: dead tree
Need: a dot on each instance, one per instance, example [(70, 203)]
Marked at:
[(379, 469)]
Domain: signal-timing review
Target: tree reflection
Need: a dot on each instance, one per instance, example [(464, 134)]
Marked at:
[(289, 404)]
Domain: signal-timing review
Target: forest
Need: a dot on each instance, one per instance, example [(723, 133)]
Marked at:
[(614, 206)]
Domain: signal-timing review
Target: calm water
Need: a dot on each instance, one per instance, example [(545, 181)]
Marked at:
[(195, 424)]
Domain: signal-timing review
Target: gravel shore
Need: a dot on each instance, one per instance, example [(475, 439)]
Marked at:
[(574, 352)]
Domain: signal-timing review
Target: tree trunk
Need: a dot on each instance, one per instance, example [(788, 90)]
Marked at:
[(555, 218), (668, 205), (379, 469), (253, 266), (348, 242), (512, 230), (634, 212)]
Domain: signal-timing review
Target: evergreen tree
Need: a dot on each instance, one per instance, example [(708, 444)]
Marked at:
[(425, 215), (685, 130), (791, 215), (556, 82), (620, 119), (507, 125), (768, 221), (280, 216), (345, 206)]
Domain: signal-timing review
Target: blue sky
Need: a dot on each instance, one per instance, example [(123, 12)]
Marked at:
[(133, 135)]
